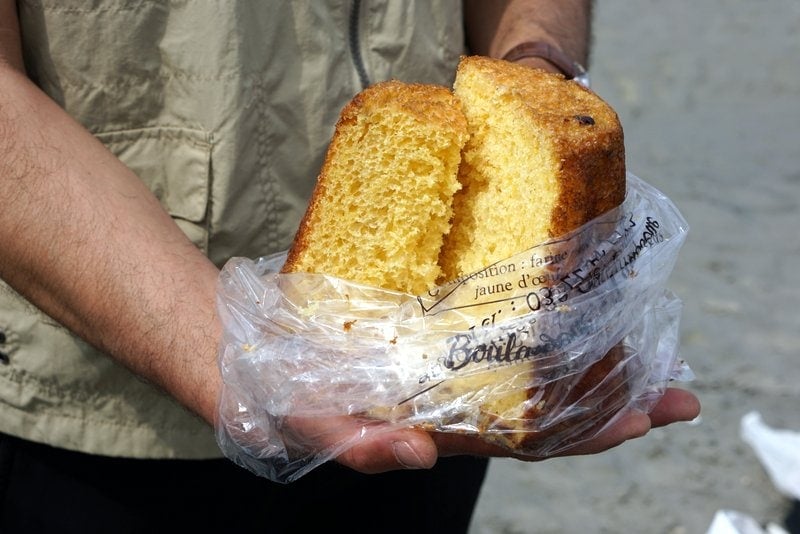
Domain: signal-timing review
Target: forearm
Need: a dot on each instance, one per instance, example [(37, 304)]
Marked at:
[(495, 27), (86, 241)]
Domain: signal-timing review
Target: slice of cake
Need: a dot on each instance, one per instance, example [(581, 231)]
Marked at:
[(383, 200), (545, 156)]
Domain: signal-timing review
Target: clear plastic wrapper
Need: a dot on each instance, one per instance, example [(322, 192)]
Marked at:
[(535, 353)]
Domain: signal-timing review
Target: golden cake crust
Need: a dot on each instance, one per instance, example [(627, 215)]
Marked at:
[(585, 131), (561, 139)]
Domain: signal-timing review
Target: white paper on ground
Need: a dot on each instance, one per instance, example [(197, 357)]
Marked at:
[(779, 453), (777, 449), (733, 522)]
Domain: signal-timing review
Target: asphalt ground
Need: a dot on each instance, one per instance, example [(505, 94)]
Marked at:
[(708, 93)]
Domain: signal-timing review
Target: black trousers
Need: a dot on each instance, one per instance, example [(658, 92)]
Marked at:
[(45, 489)]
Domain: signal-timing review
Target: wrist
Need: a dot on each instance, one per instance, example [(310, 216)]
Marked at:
[(540, 54), (538, 63)]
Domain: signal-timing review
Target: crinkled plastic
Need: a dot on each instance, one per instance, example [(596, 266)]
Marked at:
[(536, 353)]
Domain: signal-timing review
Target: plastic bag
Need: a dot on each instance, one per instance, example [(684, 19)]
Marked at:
[(537, 352)]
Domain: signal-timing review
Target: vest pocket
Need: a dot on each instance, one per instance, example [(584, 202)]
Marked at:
[(175, 163)]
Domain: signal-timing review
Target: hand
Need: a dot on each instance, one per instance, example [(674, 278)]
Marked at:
[(676, 405), (415, 449)]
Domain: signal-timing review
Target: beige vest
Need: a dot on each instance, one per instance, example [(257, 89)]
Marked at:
[(224, 108)]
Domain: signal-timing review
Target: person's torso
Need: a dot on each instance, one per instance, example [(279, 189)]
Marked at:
[(224, 109)]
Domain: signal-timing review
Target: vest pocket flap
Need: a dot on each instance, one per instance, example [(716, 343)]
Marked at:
[(175, 164)]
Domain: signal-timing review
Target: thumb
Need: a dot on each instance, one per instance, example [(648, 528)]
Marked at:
[(379, 451)]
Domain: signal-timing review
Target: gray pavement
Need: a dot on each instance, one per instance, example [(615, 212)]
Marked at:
[(708, 92)]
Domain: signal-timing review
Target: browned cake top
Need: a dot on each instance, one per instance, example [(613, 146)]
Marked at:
[(585, 132), (428, 103), (545, 156)]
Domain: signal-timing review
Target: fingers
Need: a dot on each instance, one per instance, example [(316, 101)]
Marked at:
[(377, 450), (632, 425), (675, 405), (453, 444)]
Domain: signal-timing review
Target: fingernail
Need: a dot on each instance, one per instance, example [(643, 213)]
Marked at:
[(406, 455)]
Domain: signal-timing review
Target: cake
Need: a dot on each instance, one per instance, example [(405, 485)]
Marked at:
[(545, 156), (422, 185), (384, 197), (541, 148)]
